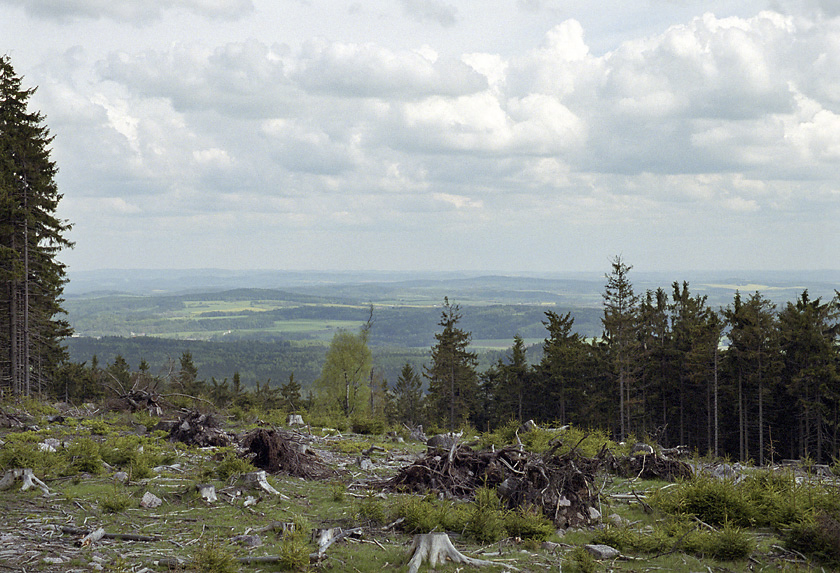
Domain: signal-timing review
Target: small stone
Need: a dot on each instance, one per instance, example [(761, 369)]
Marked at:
[(365, 464), (594, 514), (121, 477), (150, 500), (601, 552), (53, 560), (617, 520), (248, 540)]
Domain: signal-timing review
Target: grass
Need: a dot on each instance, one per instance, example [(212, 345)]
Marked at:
[(670, 539)]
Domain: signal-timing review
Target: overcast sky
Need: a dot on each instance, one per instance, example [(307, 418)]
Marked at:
[(506, 135)]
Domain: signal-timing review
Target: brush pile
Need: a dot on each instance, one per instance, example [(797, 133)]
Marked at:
[(278, 451), (202, 430), (561, 485)]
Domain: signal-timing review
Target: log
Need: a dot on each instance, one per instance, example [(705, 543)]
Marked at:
[(437, 548), (124, 536)]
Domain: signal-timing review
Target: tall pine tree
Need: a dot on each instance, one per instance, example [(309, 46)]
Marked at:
[(31, 278), (453, 381)]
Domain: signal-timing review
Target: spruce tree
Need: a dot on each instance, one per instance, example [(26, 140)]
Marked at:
[(31, 278), (453, 380)]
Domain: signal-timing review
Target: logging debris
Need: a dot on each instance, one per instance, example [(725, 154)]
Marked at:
[(279, 451), (202, 430), (561, 485)]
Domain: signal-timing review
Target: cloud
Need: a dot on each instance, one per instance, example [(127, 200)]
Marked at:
[(436, 11), (369, 70), (131, 11)]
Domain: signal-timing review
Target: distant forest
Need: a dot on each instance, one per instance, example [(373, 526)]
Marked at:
[(752, 379)]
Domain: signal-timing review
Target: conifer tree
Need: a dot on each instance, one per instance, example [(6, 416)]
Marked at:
[(620, 323), (31, 278), (453, 380)]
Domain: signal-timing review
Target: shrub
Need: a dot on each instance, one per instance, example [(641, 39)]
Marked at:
[(368, 426), (727, 544), (293, 550), (711, 500), (486, 522), (528, 523), (371, 509), (22, 451), (84, 456), (817, 536), (213, 558), (232, 465), (581, 561), (116, 502)]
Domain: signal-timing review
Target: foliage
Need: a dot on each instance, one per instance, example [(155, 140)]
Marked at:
[(818, 536), (212, 557), (294, 551), (31, 236), (580, 561), (453, 380), (232, 465), (84, 455), (116, 502), (368, 425), (528, 523), (486, 520), (343, 386), (21, 451)]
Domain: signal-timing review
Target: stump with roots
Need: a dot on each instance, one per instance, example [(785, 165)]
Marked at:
[(437, 548)]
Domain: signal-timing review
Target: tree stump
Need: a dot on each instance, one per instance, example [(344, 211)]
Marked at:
[(437, 548)]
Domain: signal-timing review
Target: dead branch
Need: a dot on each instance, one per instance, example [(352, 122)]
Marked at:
[(122, 536)]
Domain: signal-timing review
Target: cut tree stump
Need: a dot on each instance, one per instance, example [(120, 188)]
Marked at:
[(28, 478), (437, 548)]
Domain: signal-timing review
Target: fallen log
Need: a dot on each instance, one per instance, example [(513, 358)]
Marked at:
[(122, 536), (437, 548)]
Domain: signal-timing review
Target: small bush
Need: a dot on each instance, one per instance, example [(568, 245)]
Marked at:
[(232, 465), (213, 558), (294, 550), (486, 521), (580, 561), (420, 515), (729, 543), (371, 510), (116, 502), (817, 536), (338, 491), (368, 426), (528, 523), (22, 451), (711, 500), (96, 426), (84, 456)]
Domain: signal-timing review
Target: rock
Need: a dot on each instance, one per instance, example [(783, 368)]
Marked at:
[(618, 521), (150, 500), (594, 514), (121, 477), (443, 441), (365, 464), (247, 540), (601, 552)]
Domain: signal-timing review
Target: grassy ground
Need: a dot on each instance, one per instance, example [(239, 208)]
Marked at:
[(190, 534)]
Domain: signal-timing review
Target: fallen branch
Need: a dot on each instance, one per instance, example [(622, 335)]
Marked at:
[(123, 536)]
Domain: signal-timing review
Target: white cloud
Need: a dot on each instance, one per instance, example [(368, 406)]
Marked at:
[(132, 10), (436, 11)]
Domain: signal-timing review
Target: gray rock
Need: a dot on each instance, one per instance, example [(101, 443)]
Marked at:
[(150, 500), (601, 552)]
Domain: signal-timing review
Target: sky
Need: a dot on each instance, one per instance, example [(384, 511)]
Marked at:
[(491, 135)]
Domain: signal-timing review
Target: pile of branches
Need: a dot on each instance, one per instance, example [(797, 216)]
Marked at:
[(561, 485), (278, 451), (202, 430), (655, 466)]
